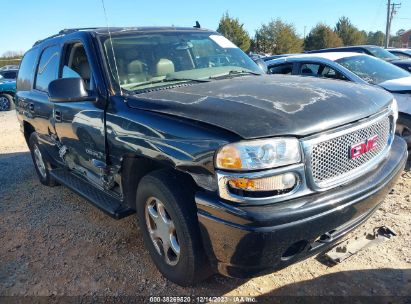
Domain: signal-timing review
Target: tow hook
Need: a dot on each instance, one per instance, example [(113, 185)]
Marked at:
[(349, 247)]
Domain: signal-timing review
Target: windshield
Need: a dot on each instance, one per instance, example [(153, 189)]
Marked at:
[(150, 60), (371, 69), (382, 53)]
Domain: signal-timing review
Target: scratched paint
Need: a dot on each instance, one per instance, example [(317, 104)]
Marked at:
[(267, 105)]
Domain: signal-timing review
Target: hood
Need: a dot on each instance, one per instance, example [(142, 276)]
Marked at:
[(397, 85), (267, 105)]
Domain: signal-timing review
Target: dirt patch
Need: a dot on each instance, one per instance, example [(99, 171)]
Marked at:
[(55, 243)]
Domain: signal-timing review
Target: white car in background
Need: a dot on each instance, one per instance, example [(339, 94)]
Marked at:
[(355, 67)]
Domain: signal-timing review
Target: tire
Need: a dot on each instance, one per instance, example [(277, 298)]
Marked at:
[(403, 129), (41, 165), (164, 187), (6, 102)]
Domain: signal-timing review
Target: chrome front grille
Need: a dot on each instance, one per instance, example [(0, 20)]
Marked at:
[(329, 158)]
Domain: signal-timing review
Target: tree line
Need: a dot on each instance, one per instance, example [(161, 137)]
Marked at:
[(11, 58), (280, 37)]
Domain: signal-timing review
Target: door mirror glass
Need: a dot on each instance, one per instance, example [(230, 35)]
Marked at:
[(68, 90)]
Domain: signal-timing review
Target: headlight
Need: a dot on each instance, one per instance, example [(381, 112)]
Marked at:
[(258, 154), (394, 108)]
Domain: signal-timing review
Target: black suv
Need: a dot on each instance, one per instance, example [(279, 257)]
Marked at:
[(228, 170)]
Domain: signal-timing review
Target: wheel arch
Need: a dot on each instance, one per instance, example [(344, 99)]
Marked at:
[(135, 167), (12, 93), (28, 130), (405, 115)]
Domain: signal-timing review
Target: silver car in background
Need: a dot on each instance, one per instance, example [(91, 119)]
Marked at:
[(355, 67), (401, 53)]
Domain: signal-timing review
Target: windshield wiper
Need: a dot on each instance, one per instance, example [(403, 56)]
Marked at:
[(236, 72), (171, 79)]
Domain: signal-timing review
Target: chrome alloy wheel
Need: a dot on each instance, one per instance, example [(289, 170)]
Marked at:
[(39, 161), (404, 132), (4, 103), (162, 231)]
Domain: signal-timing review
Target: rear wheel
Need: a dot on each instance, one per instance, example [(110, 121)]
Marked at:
[(403, 129), (6, 102), (41, 165), (168, 220)]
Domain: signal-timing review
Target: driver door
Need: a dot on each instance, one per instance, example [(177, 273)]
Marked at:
[(80, 125)]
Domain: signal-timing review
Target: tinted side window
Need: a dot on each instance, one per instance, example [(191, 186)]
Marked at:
[(48, 68), (328, 72), (26, 71), (286, 68), (320, 70), (309, 69), (10, 74)]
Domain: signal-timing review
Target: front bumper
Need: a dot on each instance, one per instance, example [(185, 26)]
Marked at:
[(244, 241)]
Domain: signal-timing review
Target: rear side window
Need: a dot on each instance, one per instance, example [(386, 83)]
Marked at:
[(26, 71), (10, 74), (309, 69), (47, 69), (320, 70), (285, 69)]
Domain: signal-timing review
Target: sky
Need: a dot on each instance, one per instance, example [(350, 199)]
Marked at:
[(30, 20)]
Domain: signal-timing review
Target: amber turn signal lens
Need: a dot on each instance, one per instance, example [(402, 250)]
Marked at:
[(279, 182), (229, 158)]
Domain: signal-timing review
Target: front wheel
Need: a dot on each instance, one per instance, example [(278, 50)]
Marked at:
[(168, 220), (6, 102)]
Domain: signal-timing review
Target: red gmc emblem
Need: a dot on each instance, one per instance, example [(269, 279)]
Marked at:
[(363, 147)]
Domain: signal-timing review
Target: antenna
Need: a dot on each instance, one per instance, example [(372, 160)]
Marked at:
[(112, 47)]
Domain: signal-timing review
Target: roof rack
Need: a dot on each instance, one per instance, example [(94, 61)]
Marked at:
[(65, 32)]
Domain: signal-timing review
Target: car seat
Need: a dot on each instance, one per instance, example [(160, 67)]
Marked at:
[(136, 71)]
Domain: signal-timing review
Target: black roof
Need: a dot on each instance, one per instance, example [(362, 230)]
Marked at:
[(114, 30)]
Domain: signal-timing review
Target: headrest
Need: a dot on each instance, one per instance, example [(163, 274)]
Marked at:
[(164, 67), (135, 67)]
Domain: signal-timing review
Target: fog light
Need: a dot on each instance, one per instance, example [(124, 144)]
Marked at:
[(273, 183)]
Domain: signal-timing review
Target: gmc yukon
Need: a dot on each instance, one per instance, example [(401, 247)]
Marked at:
[(228, 170)]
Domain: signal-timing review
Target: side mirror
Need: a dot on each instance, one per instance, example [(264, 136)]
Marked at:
[(68, 90)]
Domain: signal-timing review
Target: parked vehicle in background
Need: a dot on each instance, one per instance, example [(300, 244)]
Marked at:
[(255, 56), (9, 74), (7, 93), (268, 58), (401, 53), (359, 68), (229, 170), (371, 50), (9, 67)]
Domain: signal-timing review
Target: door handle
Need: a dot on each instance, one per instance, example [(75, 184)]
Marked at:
[(31, 107), (57, 116)]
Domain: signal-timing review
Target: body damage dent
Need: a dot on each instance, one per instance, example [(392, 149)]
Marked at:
[(266, 105)]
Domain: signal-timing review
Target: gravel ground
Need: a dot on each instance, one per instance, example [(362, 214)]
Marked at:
[(54, 243)]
